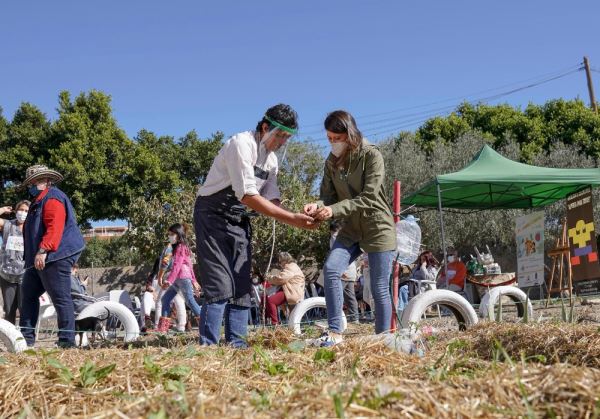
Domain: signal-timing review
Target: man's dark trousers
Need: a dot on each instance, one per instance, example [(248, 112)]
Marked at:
[(55, 278)]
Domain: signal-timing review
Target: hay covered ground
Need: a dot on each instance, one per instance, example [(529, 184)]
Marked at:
[(549, 369)]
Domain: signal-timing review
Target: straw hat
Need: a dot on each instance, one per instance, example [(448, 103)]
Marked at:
[(39, 171)]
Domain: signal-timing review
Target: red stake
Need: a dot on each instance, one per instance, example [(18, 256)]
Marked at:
[(396, 267)]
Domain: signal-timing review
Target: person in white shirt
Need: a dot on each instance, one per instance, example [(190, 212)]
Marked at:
[(242, 176)]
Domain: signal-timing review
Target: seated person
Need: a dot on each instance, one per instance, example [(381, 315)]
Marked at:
[(456, 271), (78, 291), (291, 280)]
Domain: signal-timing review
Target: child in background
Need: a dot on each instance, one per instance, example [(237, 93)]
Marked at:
[(181, 278)]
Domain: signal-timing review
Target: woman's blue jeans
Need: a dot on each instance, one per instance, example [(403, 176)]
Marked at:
[(185, 285), (403, 297), (380, 264)]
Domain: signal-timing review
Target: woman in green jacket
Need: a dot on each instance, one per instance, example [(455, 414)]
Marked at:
[(352, 191)]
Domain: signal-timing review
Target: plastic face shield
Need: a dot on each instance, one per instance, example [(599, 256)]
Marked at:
[(278, 136)]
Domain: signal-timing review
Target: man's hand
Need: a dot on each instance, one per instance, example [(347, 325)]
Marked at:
[(304, 221), (40, 261), (322, 214), (310, 209)]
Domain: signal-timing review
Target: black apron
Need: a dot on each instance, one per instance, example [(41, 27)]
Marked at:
[(224, 248)]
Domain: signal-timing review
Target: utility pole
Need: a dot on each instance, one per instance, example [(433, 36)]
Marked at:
[(588, 73)]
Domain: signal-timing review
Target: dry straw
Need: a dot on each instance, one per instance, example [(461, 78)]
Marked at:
[(493, 370)]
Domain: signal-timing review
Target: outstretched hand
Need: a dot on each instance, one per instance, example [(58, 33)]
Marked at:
[(304, 221)]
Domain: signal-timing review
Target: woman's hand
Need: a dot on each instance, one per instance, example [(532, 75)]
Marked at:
[(324, 213), (165, 285), (197, 288), (5, 210), (40, 261), (310, 209)]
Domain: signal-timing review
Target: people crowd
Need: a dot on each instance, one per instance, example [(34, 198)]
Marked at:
[(41, 245)]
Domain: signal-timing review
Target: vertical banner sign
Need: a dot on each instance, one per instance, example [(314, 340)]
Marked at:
[(582, 242), (529, 232)]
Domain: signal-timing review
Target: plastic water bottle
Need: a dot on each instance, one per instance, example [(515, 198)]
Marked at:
[(408, 239)]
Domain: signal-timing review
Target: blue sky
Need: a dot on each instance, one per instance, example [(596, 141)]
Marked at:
[(176, 66)]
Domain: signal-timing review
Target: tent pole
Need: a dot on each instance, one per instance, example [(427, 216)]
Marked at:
[(439, 193)]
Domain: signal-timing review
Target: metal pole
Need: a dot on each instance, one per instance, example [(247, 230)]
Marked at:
[(396, 265), (439, 193), (588, 74)]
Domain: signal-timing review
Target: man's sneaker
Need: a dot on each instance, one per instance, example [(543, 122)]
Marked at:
[(327, 339)]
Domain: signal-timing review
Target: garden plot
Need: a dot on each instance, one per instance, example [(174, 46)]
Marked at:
[(491, 370)]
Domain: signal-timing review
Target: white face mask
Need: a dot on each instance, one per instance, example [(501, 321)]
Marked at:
[(21, 216), (172, 239), (450, 259), (337, 149)]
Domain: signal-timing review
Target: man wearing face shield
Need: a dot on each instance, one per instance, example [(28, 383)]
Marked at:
[(243, 176)]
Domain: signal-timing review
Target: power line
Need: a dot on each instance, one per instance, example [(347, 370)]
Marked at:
[(453, 99), (422, 116)]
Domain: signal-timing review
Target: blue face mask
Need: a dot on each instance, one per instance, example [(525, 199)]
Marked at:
[(34, 191)]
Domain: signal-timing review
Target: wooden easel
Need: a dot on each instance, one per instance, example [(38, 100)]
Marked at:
[(561, 266)]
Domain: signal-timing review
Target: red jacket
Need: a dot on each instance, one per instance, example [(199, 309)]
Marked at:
[(54, 216)]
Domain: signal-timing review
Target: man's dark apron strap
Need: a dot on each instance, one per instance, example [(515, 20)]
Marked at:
[(223, 246)]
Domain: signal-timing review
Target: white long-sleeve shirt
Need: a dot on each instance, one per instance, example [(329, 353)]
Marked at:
[(246, 167)]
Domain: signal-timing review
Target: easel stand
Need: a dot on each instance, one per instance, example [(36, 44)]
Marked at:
[(561, 267)]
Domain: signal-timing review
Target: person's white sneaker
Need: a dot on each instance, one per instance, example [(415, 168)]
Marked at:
[(327, 339)]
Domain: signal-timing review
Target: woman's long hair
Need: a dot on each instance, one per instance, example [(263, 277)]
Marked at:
[(431, 260), (181, 232), (342, 122)]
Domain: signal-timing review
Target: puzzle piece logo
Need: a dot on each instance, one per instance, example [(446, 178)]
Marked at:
[(581, 236)]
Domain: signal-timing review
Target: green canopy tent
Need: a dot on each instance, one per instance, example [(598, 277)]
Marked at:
[(491, 181)]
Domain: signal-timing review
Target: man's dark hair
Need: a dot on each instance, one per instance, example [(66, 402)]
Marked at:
[(282, 113)]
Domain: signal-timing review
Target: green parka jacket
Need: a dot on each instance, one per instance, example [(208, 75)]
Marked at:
[(357, 197)]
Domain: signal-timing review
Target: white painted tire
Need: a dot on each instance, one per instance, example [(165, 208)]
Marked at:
[(303, 307), (491, 298), (457, 304), (125, 316), (11, 337)]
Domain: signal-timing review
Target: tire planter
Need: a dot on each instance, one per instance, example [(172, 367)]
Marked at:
[(101, 309), (11, 337), (303, 307), (457, 304), (492, 297)]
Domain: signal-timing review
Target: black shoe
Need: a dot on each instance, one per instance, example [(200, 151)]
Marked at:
[(65, 345)]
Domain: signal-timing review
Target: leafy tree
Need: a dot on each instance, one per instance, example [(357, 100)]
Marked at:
[(189, 157), (25, 141), (150, 219), (195, 156), (104, 169), (535, 128)]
